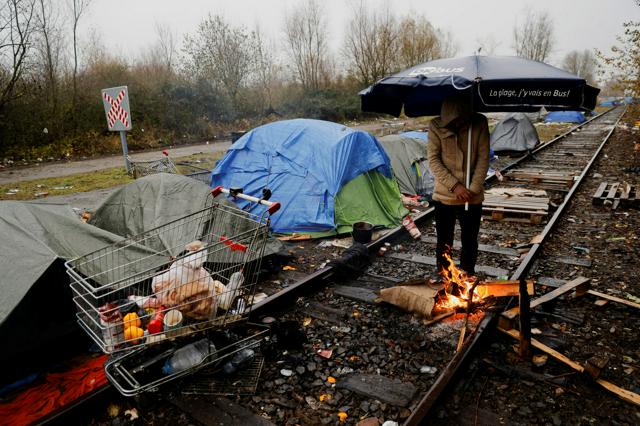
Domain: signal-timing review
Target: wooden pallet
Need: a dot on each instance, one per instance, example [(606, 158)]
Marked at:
[(615, 194), (515, 205), (548, 178)]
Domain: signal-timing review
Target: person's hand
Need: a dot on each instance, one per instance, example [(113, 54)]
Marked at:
[(462, 193)]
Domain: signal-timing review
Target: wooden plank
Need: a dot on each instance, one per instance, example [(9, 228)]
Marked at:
[(431, 261), (503, 288), (359, 294), (568, 260), (565, 288), (379, 387), (612, 191), (457, 245), (600, 190), (622, 393), (325, 313), (554, 282)]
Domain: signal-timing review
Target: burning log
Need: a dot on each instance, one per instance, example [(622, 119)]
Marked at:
[(502, 288)]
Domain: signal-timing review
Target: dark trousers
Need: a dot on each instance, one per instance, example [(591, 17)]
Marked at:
[(469, 226)]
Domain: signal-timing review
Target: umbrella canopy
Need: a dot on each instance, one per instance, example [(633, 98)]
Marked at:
[(493, 83)]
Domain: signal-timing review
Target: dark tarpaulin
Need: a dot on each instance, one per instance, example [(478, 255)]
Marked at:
[(495, 83)]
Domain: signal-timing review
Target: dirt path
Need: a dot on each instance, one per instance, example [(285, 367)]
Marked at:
[(57, 169)]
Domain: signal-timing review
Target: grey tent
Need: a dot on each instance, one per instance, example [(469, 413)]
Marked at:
[(514, 133), (156, 200), (409, 163), (36, 309)]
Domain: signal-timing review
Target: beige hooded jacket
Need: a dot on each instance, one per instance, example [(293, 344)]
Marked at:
[(447, 151)]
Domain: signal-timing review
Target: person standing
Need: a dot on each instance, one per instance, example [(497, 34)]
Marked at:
[(447, 155)]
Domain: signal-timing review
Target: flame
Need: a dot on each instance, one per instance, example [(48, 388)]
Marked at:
[(456, 280)]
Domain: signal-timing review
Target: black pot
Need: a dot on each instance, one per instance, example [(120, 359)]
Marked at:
[(362, 232)]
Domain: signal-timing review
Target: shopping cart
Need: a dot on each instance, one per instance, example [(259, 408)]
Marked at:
[(195, 273), (140, 169)]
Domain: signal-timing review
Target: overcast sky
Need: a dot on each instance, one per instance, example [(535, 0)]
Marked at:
[(127, 26)]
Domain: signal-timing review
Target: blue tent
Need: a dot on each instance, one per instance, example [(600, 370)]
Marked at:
[(565, 117), (305, 163), (416, 134)]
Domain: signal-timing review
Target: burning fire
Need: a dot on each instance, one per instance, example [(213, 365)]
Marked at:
[(457, 285)]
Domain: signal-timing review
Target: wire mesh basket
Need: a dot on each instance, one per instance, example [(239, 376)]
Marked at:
[(195, 273), (140, 169)]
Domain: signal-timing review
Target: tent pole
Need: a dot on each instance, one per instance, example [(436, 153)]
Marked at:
[(466, 204)]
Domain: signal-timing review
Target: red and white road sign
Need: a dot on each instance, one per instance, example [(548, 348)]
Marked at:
[(116, 108)]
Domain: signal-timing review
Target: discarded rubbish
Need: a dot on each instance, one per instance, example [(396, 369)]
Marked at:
[(286, 372), (288, 268), (131, 414), (341, 329), (240, 359), (324, 397), (188, 356), (342, 416), (410, 226), (306, 321), (325, 244), (325, 353), (425, 369), (268, 320), (113, 410), (41, 194), (331, 379), (539, 360)]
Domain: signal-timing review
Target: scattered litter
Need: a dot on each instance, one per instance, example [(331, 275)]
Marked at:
[(390, 423), (325, 353), (628, 369), (131, 414), (344, 370), (341, 329), (288, 268), (355, 314), (536, 331), (601, 302), (62, 188), (306, 321), (113, 410), (628, 359), (285, 372), (13, 191), (540, 360), (581, 249), (325, 244), (313, 403), (354, 358), (331, 379), (633, 298), (268, 320), (425, 369), (610, 240), (342, 416), (324, 397), (40, 186), (41, 194)]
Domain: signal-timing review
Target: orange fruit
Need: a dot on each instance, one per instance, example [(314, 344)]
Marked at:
[(132, 320), (133, 333)]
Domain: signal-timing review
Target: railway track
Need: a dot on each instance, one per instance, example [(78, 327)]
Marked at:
[(311, 292)]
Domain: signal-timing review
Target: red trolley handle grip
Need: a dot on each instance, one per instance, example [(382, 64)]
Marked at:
[(272, 206)]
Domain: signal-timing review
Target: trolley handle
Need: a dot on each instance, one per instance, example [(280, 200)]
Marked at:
[(272, 207)]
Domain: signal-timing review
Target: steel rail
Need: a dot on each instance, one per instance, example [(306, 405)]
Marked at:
[(421, 411)]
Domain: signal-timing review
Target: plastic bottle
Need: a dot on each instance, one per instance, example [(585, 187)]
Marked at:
[(242, 357), (188, 356)]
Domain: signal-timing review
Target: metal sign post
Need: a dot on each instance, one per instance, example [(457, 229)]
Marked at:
[(118, 113)]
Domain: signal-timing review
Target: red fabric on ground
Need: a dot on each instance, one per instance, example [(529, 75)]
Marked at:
[(58, 390)]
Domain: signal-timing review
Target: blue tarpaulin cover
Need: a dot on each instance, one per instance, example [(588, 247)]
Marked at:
[(416, 134), (565, 117), (304, 163)]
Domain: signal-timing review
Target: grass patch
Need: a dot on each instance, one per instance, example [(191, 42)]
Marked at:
[(546, 132), (100, 179)]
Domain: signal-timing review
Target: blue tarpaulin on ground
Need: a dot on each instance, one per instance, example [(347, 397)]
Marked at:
[(565, 117), (304, 163)]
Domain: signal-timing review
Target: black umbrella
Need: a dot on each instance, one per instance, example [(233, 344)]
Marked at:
[(494, 83)]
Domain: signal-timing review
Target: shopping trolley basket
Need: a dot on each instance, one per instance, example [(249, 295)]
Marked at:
[(195, 273), (140, 169)]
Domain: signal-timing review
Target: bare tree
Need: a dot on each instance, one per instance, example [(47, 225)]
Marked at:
[(534, 38), (370, 48), (419, 41), (78, 7), (582, 64), (265, 67), (16, 31), (221, 53), (165, 49), (306, 40), (49, 47)]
